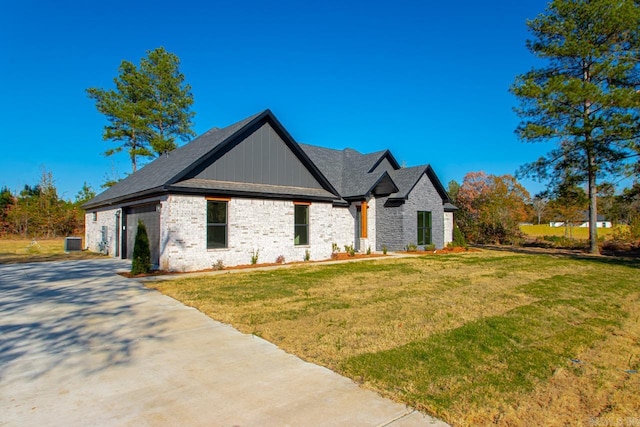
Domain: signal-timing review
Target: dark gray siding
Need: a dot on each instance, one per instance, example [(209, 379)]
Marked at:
[(397, 226), (424, 197), (151, 219), (389, 226), (262, 158)]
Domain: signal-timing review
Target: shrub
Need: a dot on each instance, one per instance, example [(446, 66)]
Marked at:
[(34, 248), (430, 247), (350, 250), (218, 265), (411, 247), (141, 263), (369, 250), (254, 256), (458, 238), (280, 259), (335, 248), (384, 249), (307, 255)]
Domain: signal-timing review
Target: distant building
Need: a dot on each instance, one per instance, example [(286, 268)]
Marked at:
[(584, 222)]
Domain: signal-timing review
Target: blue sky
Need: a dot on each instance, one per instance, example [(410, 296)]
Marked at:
[(428, 80)]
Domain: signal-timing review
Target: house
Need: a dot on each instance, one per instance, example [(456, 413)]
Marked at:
[(250, 189), (583, 222)]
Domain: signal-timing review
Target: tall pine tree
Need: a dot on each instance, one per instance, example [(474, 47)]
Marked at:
[(148, 108), (585, 97)]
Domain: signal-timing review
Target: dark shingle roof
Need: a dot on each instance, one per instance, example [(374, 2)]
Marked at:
[(162, 170), (347, 172), (352, 173), (406, 179)]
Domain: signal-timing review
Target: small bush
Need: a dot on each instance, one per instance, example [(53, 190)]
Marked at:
[(335, 248), (384, 249), (33, 248), (350, 250), (430, 247), (254, 256), (307, 255), (141, 263), (280, 259), (369, 250), (218, 265), (458, 238), (411, 247)]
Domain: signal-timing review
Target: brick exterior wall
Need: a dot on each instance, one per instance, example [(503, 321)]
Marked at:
[(397, 226), (424, 197), (94, 221), (370, 240), (253, 225), (389, 226), (448, 228), (267, 226)]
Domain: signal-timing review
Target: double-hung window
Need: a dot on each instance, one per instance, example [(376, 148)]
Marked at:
[(216, 224), (424, 228), (301, 224)]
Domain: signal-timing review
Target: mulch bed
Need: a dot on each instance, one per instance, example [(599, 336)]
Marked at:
[(442, 251), (335, 257)]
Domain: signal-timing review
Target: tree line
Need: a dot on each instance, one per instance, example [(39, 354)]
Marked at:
[(37, 211), (583, 96), (492, 207)]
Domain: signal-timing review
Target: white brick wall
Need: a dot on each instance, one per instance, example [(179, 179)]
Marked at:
[(253, 225), (370, 240), (448, 228), (93, 229)]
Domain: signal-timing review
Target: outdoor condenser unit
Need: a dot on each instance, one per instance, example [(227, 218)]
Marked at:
[(72, 244)]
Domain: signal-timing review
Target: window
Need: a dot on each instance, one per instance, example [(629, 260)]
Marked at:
[(216, 224), (301, 224), (424, 228)]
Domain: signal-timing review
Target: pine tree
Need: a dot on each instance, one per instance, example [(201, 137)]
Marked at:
[(149, 107), (585, 97)]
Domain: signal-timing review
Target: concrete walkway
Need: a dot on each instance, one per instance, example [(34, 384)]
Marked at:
[(81, 346)]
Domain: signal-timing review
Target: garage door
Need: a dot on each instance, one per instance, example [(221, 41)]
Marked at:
[(150, 216)]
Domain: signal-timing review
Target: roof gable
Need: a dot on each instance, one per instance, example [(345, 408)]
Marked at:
[(257, 156), (385, 162), (261, 156), (407, 178), (180, 164)]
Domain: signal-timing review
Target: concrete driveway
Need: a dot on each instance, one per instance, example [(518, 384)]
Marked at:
[(81, 346)]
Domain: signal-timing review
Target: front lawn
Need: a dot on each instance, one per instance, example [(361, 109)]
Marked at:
[(475, 338), (542, 230), (18, 250)]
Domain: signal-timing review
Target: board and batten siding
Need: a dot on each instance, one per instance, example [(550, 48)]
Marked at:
[(261, 158)]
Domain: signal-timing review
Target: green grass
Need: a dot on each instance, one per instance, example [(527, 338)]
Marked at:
[(470, 338), (499, 357), (18, 250), (575, 232)]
